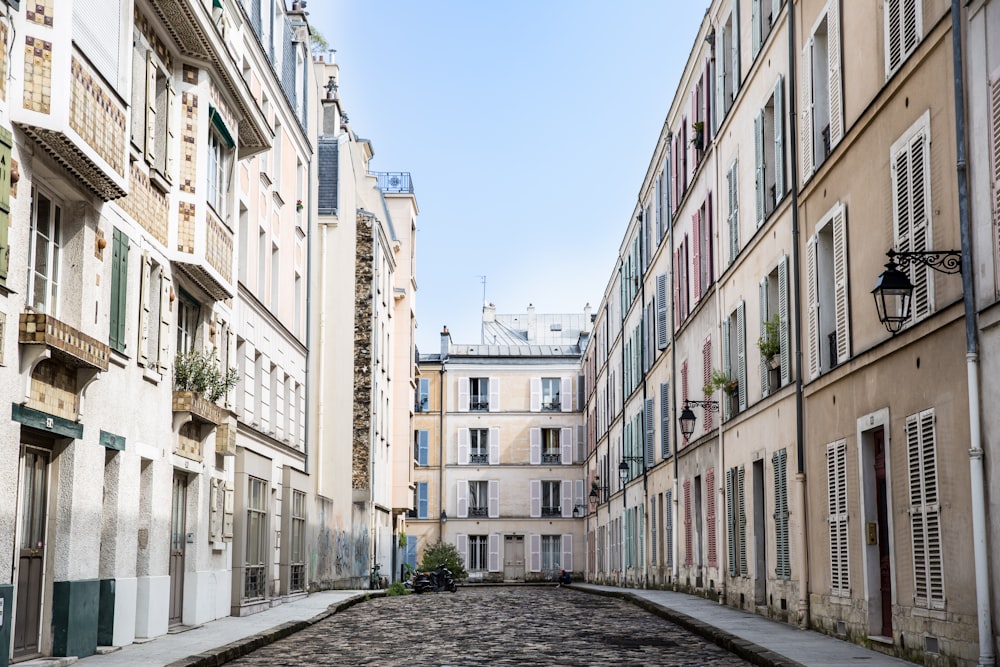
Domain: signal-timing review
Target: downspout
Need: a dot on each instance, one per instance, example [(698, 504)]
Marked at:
[(719, 491), (981, 558), (308, 391), (645, 431), (675, 574), (801, 546), (621, 382), (441, 452)]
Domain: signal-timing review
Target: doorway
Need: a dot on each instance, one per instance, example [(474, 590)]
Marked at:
[(698, 532), (513, 557), (31, 553), (875, 467), (177, 544), (884, 558), (759, 536)]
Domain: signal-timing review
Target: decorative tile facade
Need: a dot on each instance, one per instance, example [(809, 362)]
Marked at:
[(3, 61), (143, 25), (218, 101), (53, 389), (185, 227), (190, 75), (189, 141), (189, 441), (97, 116), (37, 74), (65, 341), (146, 204), (219, 247), (40, 12)]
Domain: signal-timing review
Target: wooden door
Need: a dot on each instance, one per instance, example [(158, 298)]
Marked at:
[(177, 543), (31, 553), (513, 558), (885, 563)]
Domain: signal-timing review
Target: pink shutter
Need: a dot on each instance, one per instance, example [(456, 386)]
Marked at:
[(713, 560), (688, 559), (706, 100), (674, 162), (696, 257), (706, 355), (684, 381), (677, 289)]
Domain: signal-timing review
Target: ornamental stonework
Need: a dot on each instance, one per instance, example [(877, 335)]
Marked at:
[(144, 26), (219, 247), (40, 12), (185, 227), (97, 117), (3, 61), (53, 389), (189, 441), (189, 141), (363, 309), (146, 204), (37, 74)]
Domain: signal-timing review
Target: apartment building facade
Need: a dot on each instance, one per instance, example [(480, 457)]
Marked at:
[(498, 448)]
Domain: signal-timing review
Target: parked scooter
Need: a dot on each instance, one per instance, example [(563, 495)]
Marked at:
[(437, 580)]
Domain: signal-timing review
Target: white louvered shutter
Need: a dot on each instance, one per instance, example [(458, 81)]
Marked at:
[(661, 312), (836, 462), (145, 291), (925, 510), (535, 446), (170, 127), (727, 363), (462, 498), (534, 552), (741, 354), (783, 567), (812, 308), (493, 498), (765, 385), (756, 35), (566, 446), (566, 395), (536, 394), (721, 60), (806, 112), (784, 322), (494, 445), (736, 48), (151, 120), (494, 552), (760, 184), (665, 420), (841, 303), (535, 498), (833, 54), (463, 394), (779, 139), (567, 552), (462, 546), (166, 289), (566, 498), (668, 526), (650, 424), (494, 394), (463, 446), (910, 171), (731, 520), (734, 212)]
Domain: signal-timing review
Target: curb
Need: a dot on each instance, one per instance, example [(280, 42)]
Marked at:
[(749, 651), (229, 652)]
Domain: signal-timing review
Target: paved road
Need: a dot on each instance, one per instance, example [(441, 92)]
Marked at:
[(496, 626)]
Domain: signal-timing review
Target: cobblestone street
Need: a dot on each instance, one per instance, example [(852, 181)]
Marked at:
[(495, 626)]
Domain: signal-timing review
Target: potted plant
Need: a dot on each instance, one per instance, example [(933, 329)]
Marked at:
[(769, 343), (719, 380), (699, 134)]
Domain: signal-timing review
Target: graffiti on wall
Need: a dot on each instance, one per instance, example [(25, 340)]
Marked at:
[(341, 550)]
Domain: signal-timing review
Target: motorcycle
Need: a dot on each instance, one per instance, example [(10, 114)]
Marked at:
[(437, 580)]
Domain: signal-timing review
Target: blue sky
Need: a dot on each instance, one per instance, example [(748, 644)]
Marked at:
[(527, 127)]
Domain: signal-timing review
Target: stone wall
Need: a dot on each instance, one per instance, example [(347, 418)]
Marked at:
[(364, 271)]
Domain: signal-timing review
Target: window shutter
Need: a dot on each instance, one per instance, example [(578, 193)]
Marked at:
[(422, 500), (720, 74), (741, 354), (706, 365), (911, 201), (833, 54), (775, 9), (736, 48), (462, 496), (925, 511), (169, 125), (784, 324), (494, 552), (779, 139), (150, 108), (463, 446), (783, 567), (812, 308), (423, 440), (534, 553), (840, 293), (652, 531), (755, 25), (684, 381), (759, 183), (566, 395), (668, 527), (696, 257), (137, 130), (688, 557), (536, 394), (567, 552), (727, 363), (713, 558), (650, 425), (145, 292), (677, 289), (494, 394), (166, 289), (710, 235), (661, 311), (462, 547), (119, 287), (535, 498), (734, 215), (566, 495), (693, 149), (578, 492), (566, 446), (706, 102), (535, 446), (463, 394), (765, 385), (665, 419), (994, 120), (836, 475), (494, 445), (806, 112), (741, 526), (493, 498), (731, 520)]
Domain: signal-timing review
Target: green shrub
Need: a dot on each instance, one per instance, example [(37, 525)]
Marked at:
[(397, 588), (196, 371), (442, 552)]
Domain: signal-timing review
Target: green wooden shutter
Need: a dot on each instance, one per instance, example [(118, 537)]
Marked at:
[(119, 289), (783, 567), (731, 522), (668, 527)]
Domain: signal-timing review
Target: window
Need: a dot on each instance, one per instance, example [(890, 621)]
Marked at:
[(477, 553), (836, 478), (297, 576), (775, 371), (421, 447), (423, 402), (727, 62), (550, 394), (736, 521), (903, 30), (551, 498), (733, 216), (478, 500), (668, 528), (783, 563), (255, 581), (769, 133), (664, 419), (911, 205), (45, 254), (479, 394), (153, 102), (925, 511), (218, 171), (822, 125), (119, 291), (479, 445), (551, 546), (763, 14), (713, 558), (681, 287), (702, 260), (550, 445), (154, 315), (420, 493), (827, 314), (187, 323), (662, 312)]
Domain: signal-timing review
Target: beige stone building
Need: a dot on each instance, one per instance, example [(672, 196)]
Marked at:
[(498, 448)]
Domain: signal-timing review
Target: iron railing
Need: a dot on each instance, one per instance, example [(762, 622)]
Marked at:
[(551, 458), (394, 182)]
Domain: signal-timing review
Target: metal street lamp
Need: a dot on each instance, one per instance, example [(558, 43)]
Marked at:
[(893, 291), (624, 469), (687, 418), (596, 497)]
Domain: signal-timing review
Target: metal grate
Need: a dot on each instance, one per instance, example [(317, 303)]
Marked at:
[(253, 582), (297, 577)]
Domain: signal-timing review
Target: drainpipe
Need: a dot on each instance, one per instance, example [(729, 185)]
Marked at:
[(719, 491), (675, 573), (801, 546), (645, 431), (445, 339), (981, 558)]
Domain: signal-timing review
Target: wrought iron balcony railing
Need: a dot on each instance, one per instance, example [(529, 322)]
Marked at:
[(394, 182)]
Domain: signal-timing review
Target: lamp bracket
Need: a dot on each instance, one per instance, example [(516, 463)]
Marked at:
[(704, 405), (943, 261)]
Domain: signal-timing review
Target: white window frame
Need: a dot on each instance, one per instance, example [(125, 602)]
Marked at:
[(894, 28), (50, 244), (219, 157), (820, 63), (833, 225)]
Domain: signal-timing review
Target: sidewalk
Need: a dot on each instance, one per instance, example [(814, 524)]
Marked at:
[(218, 641), (755, 638)]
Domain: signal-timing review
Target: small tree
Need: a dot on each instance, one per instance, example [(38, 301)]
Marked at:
[(770, 343), (442, 552)]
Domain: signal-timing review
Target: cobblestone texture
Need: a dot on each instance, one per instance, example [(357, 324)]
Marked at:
[(494, 626)]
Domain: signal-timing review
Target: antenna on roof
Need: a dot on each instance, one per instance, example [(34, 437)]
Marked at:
[(482, 325)]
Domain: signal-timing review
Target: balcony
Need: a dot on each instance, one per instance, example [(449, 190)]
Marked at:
[(551, 511), (394, 182), (66, 344), (478, 512), (477, 404), (479, 458), (551, 458), (552, 406), (198, 408)]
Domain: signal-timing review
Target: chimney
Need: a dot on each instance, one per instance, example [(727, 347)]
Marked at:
[(445, 343), (587, 318), (489, 313), (531, 323)]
